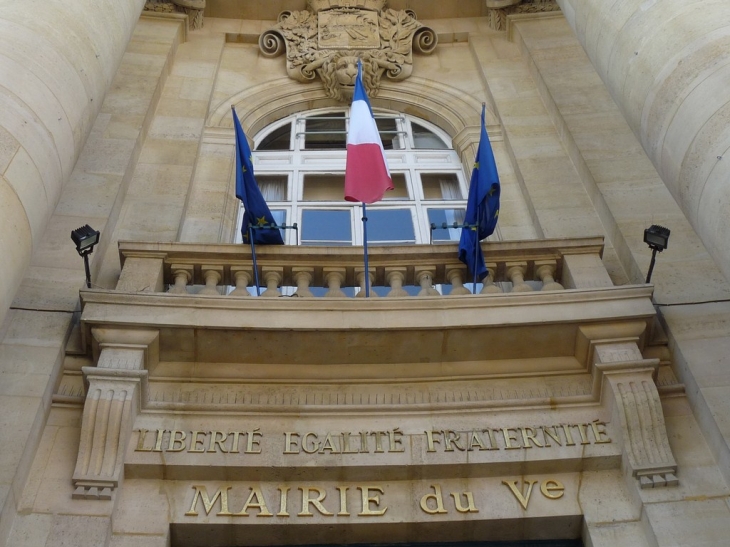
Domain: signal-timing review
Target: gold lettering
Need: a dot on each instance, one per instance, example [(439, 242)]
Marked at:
[(437, 497), (194, 441), (452, 437), (253, 441), (328, 444), (255, 500), (523, 499), (317, 502), (214, 440), (492, 440), (291, 442), (236, 435), (568, 435), (158, 442), (346, 443), (367, 499), (528, 434), (202, 492), (395, 441), (475, 440), (176, 444), (432, 440), (343, 501), (598, 432), (364, 442), (583, 433), (555, 436), (140, 441), (509, 438), (470, 507), (310, 449), (378, 440), (552, 489), (283, 501)]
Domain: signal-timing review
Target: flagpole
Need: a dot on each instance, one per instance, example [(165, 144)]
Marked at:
[(476, 252), (365, 248), (253, 256)]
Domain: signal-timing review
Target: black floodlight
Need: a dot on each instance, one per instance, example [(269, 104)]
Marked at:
[(657, 238), (85, 238)]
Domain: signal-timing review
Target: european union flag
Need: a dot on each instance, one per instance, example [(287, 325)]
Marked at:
[(482, 207), (256, 212)]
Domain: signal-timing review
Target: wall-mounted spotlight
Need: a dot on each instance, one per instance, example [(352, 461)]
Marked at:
[(657, 238), (85, 238)]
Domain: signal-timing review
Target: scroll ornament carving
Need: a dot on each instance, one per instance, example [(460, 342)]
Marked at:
[(113, 400), (638, 408), (498, 10), (328, 39)]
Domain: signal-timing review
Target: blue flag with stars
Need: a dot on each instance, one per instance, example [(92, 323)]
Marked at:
[(482, 207), (256, 212)]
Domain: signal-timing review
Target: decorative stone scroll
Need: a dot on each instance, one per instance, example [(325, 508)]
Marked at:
[(498, 10), (638, 409), (113, 399), (329, 38)]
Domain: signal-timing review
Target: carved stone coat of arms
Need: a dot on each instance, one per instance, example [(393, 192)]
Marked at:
[(328, 38)]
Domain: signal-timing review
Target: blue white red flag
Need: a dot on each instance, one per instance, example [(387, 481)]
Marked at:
[(366, 173)]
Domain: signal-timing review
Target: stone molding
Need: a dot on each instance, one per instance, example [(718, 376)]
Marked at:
[(629, 381), (115, 391), (499, 10)]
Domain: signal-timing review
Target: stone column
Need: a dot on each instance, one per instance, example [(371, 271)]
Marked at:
[(665, 64), (57, 60)]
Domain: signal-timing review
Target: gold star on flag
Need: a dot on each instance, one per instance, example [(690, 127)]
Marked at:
[(261, 221)]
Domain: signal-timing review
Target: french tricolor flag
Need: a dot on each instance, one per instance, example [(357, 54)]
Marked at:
[(366, 172)]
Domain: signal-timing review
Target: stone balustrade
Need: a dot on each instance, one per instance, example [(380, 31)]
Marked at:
[(394, 271)]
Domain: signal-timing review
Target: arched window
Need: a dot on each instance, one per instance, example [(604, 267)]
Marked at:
[(299, 163)]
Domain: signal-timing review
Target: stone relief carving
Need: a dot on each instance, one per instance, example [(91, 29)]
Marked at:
[(328, 38), (500, 9), (193, 8)]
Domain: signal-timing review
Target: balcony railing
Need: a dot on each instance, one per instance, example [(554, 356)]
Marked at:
[(394, 271)]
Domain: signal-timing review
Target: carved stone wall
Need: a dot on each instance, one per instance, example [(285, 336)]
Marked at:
[(329, 38), (498, 10)]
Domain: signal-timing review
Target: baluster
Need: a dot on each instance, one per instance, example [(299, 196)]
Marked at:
[(516, 273), (212, 276), (360, 276), (545, 270), (334, 278), (424, 276), (395, 278), (303, 277), (183, 275), (273, 278), (243, 278), (456, 278), (488, 286)]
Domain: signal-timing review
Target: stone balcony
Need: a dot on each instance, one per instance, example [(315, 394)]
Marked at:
[(534, 313)]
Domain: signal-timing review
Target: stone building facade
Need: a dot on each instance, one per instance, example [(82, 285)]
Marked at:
[(168, 405)]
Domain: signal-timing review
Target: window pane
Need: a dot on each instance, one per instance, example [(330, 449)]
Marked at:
[(439, 217), (325, 132), (278, 139), (326, 227), (426, 139), (400, 188), (390, 226), (388, 133), (440, 186), (323, 187), (273, 187)]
